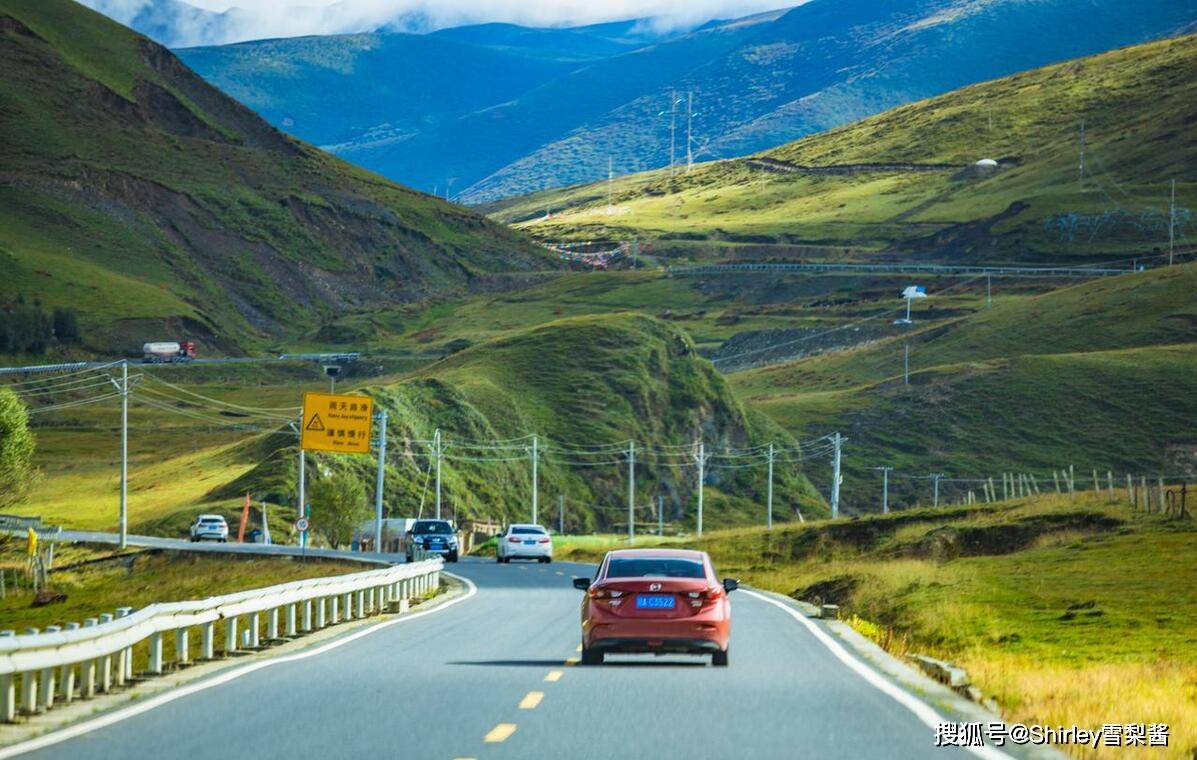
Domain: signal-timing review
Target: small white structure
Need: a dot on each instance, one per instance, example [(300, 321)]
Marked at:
[(987, 163)]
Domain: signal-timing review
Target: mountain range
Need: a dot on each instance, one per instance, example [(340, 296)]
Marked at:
[(137, 193), (496, 110)]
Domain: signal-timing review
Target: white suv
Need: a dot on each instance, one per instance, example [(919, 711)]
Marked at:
[(524, 541), (210, 527)]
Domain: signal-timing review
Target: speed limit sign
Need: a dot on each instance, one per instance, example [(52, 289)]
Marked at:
[(302, 524)]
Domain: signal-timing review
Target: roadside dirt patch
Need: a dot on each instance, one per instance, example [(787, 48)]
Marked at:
[(837, 590), (949, 541)]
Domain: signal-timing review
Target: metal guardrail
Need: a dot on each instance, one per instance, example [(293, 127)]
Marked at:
[(930, 269), (42, 668)]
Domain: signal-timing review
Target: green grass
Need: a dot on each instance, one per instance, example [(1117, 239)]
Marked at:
[(1132, 100), (1064, 610), (154, 205), (1094, 375)]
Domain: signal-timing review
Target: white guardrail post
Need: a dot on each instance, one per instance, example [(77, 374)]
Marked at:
[(39, 669)]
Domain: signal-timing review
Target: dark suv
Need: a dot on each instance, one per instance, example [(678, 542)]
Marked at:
[(435, 537)]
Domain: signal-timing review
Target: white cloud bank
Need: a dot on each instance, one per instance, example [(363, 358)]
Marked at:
[(258, 19)]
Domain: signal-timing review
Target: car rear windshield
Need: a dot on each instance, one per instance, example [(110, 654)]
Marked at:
[(529, 530), (655, 567), (428, 526)]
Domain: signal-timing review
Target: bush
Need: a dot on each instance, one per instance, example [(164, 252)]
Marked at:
[(16, 449), (66, 326), (27, 329), (338, 507)]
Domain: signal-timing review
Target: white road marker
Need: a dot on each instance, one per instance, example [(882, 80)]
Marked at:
[(921, 709), (499, 733), (124, 713)]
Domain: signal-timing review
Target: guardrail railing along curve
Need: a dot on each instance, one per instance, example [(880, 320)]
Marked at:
[(39, 669)]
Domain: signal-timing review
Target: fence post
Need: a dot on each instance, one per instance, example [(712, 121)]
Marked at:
[(182, 645), (208, 641), (1110, 480), (292, 621), (1159, 495), (1130, 490), (124, 659), (156, 653), (1146, 494), (230, 635), (307, 616), (48, 678), (66, 675)]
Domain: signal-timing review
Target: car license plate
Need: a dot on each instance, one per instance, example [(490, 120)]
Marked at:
[(654, 602), (530, 543)]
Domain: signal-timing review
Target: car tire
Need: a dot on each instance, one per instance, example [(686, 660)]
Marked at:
[(592, 657), (719, 659), (451, 556)]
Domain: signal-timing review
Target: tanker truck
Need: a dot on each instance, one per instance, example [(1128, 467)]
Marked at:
[(168, 351)]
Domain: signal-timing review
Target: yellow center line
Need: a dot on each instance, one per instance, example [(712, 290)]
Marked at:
[(554, 676), (499, 733), (571, 661), (531, 699)]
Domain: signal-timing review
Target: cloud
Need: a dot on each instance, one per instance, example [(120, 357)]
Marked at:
[(176, 23)]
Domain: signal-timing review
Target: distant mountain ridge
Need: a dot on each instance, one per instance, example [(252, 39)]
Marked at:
[(135, 192), (757, 82)]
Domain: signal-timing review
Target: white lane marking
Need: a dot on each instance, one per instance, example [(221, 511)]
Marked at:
[(921, 709), (124, 713)]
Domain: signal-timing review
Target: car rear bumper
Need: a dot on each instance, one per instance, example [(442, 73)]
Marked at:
[(530, 552), (657, 646), (214, 535), (698, 634)]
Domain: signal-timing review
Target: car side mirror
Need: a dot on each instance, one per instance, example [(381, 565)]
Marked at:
[(581, 584), (730, 584)]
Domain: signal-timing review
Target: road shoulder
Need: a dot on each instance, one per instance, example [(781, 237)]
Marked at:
[(145, 693)]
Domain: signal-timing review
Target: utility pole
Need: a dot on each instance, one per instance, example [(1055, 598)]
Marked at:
[(534, 458), (989, 291), (672, 129), (1082, 173), (702, 462), (906, 366), (769, 493), (1172, 223), (835, 477), (935, 476), (884, 488), (124, 515), (610, 176), (660, 515), (689, 131), (301, 478), (631, 491), (436, 437), (561, 514), (378, 483)]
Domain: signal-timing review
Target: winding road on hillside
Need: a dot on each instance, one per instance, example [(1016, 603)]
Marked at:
[(493, 674)]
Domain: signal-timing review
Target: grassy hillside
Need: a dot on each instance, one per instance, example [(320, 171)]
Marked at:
[(1062, 610), (1095, 375), (158, 207), (576, 381), (927, 198)]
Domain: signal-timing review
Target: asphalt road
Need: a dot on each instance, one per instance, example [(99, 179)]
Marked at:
[(491, 676)]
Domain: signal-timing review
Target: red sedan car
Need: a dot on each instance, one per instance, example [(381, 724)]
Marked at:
[(657, 601)]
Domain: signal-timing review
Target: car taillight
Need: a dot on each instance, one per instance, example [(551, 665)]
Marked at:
[(514, 539), (544, 540), (605, 593), (699, 598)]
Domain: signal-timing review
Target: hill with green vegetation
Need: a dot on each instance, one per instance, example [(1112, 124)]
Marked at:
[(1096, 375), (1057, 608), (584, 385), (905, 181), (157, 207)]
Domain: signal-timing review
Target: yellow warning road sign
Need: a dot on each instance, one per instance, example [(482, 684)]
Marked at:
[(334, 422)]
